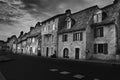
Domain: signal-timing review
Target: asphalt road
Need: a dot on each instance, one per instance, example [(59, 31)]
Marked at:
[(24, 67)]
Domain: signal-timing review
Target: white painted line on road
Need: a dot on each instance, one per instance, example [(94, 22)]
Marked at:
[(96, 79), (78, 76), (53, 70), (64, 72), (2, 77)]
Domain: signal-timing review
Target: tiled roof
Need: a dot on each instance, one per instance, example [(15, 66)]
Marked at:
[(81, 20), (35, 32)]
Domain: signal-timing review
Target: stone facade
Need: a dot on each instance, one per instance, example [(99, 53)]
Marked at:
[(72, 45), (49, 37), (11, 41)]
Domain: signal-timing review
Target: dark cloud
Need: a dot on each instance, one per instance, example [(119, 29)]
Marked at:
[(8, 13), (52, 7)]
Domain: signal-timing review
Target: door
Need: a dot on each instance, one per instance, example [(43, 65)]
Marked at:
[(77, 52), (47, 51), (65, 53)]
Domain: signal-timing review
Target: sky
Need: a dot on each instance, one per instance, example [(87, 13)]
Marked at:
[(20, 15)]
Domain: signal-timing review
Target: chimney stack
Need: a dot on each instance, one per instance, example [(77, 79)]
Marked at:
[(31, 28), (38, 24), (68, 12)]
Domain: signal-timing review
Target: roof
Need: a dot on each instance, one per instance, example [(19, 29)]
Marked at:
[(81, 19), (109, 17), (52, 18), (35, 32)]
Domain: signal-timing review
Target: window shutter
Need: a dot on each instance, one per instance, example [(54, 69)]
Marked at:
[(95, 48), (95, 18), (101, 32), (95, 35), (73, 37), (105, 48), (81, 36), (63, 38)]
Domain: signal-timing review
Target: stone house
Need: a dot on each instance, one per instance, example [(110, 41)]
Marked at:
[(33, 40), (24, 43), (10, 42), (19, 44), (3, 45), (99, 28), (105, 44), (49, 32), (72, 38)]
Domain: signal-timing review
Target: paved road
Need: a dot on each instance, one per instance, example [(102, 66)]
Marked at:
[(38, 68)]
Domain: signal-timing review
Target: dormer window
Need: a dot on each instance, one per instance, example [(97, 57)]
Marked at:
[(54, 27), (98, 17), (68, 20)]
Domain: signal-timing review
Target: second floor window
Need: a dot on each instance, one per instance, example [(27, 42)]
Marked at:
[(99, 32), (68, 20), (65, 38), (98, 17), (78, 36)]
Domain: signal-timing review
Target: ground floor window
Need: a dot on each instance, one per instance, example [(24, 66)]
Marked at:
[(65, 53), (101, 48)]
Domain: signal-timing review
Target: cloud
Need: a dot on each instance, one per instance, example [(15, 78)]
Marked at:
[(48, 8), (8, 13)]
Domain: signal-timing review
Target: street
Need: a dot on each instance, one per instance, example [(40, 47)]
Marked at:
[(24, 67)]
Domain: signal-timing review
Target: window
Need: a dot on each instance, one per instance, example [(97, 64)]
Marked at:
[(33, 40), (98, 17), (54, 27), (78, 36), (66, 53), (68, 20), (64, 38), (98, 32), (101, 48)]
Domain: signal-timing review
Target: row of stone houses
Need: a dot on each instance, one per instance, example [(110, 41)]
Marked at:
[(92, 33)]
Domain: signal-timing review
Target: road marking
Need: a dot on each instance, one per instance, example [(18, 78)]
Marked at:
[(53, 70), (2, 77), (78, 76), (96, 79), (64, 72)]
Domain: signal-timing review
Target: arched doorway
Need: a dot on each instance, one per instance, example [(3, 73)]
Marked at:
[(66, 53)]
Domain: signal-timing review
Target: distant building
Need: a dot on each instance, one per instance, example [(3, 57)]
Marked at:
[(10, 42), (33, 40), (3, 45), (19, 44)]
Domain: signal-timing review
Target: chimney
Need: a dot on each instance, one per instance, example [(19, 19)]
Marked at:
[(38, 24), (31, 28), (68, 12), (21, 33)]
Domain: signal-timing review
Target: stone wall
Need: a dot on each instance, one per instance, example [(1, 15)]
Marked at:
[(49, 38), (110, 39), (71, 45)]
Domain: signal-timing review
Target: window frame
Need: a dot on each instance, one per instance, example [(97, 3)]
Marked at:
[(78, 36), (64, 38), (101, 48), (99, 32)]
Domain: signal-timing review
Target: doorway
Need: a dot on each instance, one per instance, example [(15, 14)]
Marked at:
[(47, 51), (65, 53), (77, 52)]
